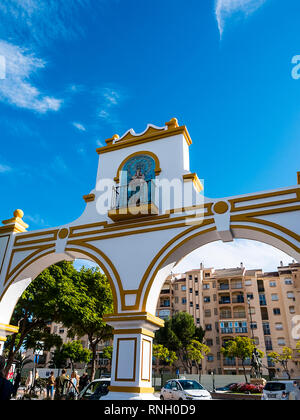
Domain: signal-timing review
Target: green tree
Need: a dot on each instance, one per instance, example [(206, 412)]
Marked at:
[(196, 352), (241, 348), (164, 354), (75, 352), (282, 358), (82, 313), (177, 334), (39, 304)]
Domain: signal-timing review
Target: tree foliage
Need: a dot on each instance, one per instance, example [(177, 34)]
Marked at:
[(282, 358), (179, 335)]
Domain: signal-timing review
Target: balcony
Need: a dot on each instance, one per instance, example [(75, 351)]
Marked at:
[(239, 315), (134, 201), (238, 299), (237, 285), (223, 286)]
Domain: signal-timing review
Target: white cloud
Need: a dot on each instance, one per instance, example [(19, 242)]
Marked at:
[(16, 89), (5, 169), (227, 255), (224, 9), (79, 126)]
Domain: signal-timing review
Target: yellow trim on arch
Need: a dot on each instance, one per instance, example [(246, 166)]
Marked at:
[(131, 389), (9, 328)]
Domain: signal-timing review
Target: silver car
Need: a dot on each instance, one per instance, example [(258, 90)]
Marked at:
[(184, 389)]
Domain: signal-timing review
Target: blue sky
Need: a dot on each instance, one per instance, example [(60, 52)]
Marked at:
[(79, 71)]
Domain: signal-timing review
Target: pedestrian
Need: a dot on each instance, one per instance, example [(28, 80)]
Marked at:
[(29, 381), (6, 387), (295, 393), (61, 383), (84, 381), (50, 386), (74, 383), (284, 396)]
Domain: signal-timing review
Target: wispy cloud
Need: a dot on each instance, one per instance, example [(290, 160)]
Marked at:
[(26, 27), (5, 168), (110, 98), (16, 89), (41, 21), (79, 126), (224, 9)]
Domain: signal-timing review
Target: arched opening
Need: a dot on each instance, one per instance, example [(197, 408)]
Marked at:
[(90, 340), (232, 305)]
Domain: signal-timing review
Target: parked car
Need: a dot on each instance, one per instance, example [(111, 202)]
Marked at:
[(225, 388), (95, 390), (274, 390), (183, 389)]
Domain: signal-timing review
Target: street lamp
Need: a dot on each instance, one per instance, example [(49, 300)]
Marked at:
[(213, 380)]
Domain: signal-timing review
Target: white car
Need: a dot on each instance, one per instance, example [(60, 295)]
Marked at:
[(274, 390), (95, 390), (184, 389)]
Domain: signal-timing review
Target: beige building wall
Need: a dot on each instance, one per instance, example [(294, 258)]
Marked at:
[(239, 302)]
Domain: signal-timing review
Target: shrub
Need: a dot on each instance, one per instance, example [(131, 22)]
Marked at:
[(247, 388)]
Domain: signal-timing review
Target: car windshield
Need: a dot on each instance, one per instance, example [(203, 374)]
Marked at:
[(275, 386), (186, 385)]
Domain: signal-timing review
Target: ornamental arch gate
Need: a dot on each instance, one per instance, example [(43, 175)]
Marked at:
[(136, 238)]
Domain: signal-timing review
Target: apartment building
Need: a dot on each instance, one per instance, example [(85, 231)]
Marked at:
[(238, 302)]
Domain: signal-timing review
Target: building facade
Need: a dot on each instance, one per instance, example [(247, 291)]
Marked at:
[(238, 302)]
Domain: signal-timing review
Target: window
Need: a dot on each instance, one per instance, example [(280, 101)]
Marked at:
[(208, 327), (176, 286), (191, 290), (215, 311), (190, 277), (250, 296), (274, 297), (272, 283), (210, 358), (279, 326), (248, 282), (290, 295), (196, 279), (176, 300), (183, 301), (288, 281), (276, 311), (191, 304), (183, 288), (207, 313), (206, 286), (209, 342), (281, 342), (207, 274), (253, 326), (198, 320), (197, 305), (292, 309), (196, 293), (206, 299), (61, 331)]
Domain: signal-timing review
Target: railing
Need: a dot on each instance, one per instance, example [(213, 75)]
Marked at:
[(239, 299), (134, 195), (223, 287), (239, 315), (225, 315), (226, 330), (237, 286), (224, 302)]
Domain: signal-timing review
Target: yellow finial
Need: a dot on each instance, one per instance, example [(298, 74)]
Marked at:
[(173, 123), (19, 213)]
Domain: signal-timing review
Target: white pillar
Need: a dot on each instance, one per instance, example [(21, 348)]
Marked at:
[(131, 377)]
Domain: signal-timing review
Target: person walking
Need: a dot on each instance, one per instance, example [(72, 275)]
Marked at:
[(50, 386), (61, 386), (17, 382), (6, 387), (295, 394), (84, 381), (74, 384)]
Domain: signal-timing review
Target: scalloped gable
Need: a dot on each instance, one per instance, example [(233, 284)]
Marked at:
[(130, 138)]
